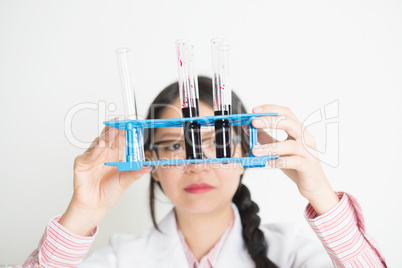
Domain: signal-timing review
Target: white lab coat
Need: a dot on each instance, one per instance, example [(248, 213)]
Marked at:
[(287, 247)]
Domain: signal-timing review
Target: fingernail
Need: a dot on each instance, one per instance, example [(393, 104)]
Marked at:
[(118, 118), (102, 144), (257, 109)]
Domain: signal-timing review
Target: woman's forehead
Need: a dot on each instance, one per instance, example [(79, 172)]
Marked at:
[(173, 133), (174, 110)]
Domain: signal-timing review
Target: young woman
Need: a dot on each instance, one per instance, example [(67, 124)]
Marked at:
[(214, 222)]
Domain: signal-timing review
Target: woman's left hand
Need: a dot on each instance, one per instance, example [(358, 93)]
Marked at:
[(298, 155)]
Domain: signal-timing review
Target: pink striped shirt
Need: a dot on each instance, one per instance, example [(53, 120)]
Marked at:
[(59, 247), (341, 230), (209, 260), (343, 233)]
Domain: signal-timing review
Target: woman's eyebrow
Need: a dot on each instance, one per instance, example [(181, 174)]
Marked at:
[(179, 135), (207, 129), (171, 135)]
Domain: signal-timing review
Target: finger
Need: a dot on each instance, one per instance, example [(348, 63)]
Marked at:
[(93, 144), (106, 137), (98, 150), (273, 108), (118, 144), (285, 120), (288, 162), (119, 140), (90, 156), (291, 126), (108, 133), (109, 136), (283, 148), (106, 128)]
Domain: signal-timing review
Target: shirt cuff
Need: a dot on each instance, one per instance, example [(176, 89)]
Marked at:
[(342, 231), (61, 247), (56, 223)]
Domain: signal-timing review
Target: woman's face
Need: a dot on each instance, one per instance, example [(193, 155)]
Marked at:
[(223, 178)]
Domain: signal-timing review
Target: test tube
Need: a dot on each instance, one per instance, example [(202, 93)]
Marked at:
[(188, 87), (135, 145), (124, 61), (222, 95)]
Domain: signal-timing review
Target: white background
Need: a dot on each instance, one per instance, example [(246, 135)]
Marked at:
[(305, 55)]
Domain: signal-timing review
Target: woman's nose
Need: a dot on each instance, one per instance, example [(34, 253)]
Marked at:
[(197, 168)]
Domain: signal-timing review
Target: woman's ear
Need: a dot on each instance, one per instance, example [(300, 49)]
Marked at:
[(155, 177), (242, 170)]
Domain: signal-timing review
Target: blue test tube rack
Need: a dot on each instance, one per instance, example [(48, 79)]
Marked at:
[(138, 126)]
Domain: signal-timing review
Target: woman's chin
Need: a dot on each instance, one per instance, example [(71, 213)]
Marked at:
[(201, 206)]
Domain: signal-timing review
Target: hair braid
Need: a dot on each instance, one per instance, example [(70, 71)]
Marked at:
[(252, 235), (152, 201)]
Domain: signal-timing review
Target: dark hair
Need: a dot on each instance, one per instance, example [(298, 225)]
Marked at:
[(248, 210)]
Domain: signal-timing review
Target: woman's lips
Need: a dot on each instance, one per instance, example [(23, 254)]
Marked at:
[(198, 188)]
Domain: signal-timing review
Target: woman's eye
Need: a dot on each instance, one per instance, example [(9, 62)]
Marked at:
[(173, 147), (213, 143), (210, 142)]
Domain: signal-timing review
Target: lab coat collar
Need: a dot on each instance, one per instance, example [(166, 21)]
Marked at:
[(168, 250)]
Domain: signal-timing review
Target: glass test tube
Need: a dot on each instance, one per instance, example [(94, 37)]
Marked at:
[(124, 61), (188, 87), (222, 94)]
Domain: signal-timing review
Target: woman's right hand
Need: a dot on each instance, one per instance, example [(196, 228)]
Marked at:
[(97, 187)]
